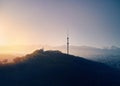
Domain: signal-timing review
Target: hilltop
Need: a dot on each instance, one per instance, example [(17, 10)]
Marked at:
[(53, 68)]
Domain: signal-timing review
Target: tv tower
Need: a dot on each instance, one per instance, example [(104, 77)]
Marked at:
[(67, 42)]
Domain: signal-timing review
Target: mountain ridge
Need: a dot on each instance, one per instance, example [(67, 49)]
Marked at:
[(54, 68)]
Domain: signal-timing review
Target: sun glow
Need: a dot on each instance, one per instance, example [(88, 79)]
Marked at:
[(11, 36), (11, 33)]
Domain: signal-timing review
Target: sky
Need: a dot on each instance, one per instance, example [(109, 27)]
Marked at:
[(45, 22)]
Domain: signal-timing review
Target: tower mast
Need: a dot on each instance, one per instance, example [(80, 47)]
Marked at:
[(67, 42)]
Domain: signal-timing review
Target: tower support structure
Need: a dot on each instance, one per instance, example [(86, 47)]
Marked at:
[(68, 44)]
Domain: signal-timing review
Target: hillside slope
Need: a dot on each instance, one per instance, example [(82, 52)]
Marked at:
[(53, 68)]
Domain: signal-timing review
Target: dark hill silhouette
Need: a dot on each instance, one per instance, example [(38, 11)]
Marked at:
[(53, 68)]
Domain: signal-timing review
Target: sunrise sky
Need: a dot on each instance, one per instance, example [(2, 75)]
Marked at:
[(32, 22)]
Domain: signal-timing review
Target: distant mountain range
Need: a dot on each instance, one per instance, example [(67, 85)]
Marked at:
[(53, 68), (108, 55), (111, 60), (86, 51)]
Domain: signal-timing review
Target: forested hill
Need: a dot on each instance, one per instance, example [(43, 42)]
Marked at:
[(53, 68)]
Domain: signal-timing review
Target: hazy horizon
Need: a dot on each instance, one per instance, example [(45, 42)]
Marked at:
[(20, 50)]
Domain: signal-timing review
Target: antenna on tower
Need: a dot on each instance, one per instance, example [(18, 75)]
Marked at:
[(67, 41)]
